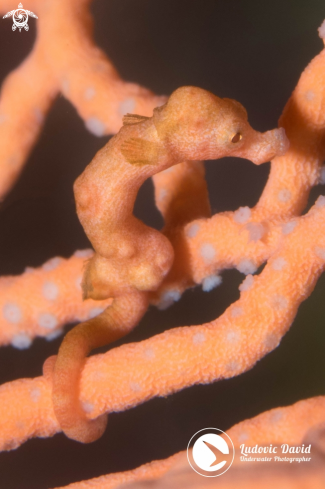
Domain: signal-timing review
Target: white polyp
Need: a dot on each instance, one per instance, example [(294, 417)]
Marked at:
[(12, 313), (90, 92), (135, 387), (233, 366), (211, 282), (168, 170), (232, 336), (95, 311), (271, 341), (87, 253), (322, 175), (247, 283), (47, 320), (321, 30), (50, 291), (309, 95), (95, 126), (289, 227), (87, 407), (236, 311), (276, 417), (65, 87), (281, 136), (198, 338), (97, 376), (242, 215), (78, 283), (320, 252), (207, 252), (192, 230), (21, 341), (279, 263), (39, 116), (29, 270), (279, 302), (54, 335), (14, 160), (256, 231), (167, 298), (127, 106), (163, 194), (284, 195), (35, 394), (12, 444), (52, 264), (243, 437), (149, 353), (247, 267), (320, 202)]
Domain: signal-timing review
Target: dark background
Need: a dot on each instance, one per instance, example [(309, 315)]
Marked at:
[(250, 50)]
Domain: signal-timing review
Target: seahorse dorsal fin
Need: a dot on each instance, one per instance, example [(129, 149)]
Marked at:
[(129, 119), (140, 152)]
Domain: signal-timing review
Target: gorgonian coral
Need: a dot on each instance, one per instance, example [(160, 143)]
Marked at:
[(203, 247)]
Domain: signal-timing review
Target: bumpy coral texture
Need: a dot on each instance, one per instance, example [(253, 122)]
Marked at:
[(146, 266), (302, 423), (64, 59), (56, 300)]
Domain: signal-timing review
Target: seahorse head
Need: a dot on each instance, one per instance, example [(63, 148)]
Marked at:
[(195, 124)]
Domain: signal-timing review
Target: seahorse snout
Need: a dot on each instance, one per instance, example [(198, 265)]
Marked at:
[(265, 146)]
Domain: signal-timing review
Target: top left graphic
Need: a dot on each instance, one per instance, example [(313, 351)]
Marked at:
[(20, 18)]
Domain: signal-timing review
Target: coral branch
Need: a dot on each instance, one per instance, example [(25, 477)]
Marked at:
[(181, 195), (135, 264), (146, 472), (21, 120), (64, 59), (56, 301), (291, 425)]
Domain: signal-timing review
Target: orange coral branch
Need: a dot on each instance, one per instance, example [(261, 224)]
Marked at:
[(175, 472), (64, 59), (20, 123), (281, 425), (147, 472), (56, 301), (133, 373), (250, 328)]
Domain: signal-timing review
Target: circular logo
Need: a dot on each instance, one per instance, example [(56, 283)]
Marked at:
[(210, 452)]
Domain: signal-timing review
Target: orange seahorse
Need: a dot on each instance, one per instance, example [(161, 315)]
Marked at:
[(131, 259)]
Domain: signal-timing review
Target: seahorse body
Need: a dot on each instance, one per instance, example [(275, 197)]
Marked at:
[(131, 258), (193, 125)]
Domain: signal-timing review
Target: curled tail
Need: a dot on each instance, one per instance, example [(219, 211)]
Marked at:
[(115, 322)]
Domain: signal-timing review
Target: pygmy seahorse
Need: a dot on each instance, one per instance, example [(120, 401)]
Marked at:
[(131, 258)]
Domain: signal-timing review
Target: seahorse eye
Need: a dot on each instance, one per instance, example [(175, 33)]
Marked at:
[(236, 138)]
